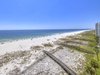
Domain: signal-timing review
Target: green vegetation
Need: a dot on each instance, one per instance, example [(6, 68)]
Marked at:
[(4, 59), (94, 64), (35, 47), (48, 45), (90, 70), (59, 47), (78, 48), (92, 61), (86, 43)]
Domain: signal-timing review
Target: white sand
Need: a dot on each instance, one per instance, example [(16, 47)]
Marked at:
[(49, 67), (66, 55), (27, 43)]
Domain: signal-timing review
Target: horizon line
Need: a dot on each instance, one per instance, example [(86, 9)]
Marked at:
[(48, 29)]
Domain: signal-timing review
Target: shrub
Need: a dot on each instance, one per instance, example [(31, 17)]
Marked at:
[(35, 47), (48, 45), (90, 70), (60, 47), (94, 64)]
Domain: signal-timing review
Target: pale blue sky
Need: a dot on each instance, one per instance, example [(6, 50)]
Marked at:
[(49, 14)]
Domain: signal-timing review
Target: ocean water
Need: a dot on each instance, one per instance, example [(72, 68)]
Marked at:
[(8, 35)]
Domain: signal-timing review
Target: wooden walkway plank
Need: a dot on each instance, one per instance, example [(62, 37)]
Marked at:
[(65, 67)]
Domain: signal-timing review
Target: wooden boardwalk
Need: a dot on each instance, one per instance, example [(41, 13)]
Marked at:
[(65, 67)]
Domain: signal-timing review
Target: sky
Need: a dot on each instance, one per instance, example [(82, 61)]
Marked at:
[(49, 14)]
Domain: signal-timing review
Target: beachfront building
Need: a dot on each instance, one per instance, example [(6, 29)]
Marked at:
[(97, 28)]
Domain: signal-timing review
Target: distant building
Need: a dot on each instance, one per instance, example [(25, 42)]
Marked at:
[(98, 29)]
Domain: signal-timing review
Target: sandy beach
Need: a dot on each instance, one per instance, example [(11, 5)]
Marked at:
[(25, 44), (17, 57)]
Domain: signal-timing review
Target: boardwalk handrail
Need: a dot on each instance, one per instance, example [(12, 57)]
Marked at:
[(65, 67)]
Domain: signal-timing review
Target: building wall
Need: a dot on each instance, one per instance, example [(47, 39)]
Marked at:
[(98, 29)]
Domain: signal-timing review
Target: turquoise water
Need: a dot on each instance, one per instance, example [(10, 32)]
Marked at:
[(8, 35)]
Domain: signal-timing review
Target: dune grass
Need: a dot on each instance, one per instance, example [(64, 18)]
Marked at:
[(4, 59), (47, 45), (35, 47), (92, 42), (86, 44)]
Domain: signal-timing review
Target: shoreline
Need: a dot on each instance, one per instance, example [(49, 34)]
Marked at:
[(25, 44)]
